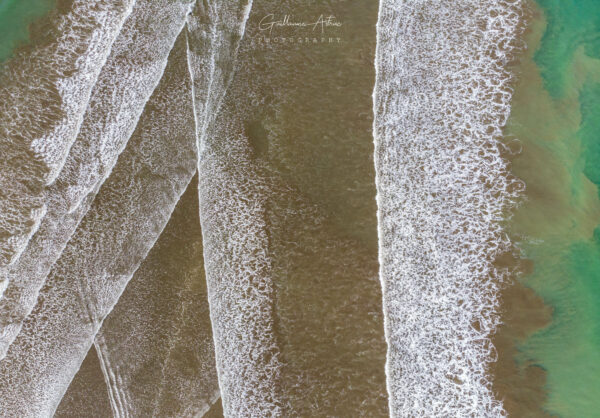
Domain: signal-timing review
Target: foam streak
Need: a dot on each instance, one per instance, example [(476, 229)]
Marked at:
[(232, 212), (126, 218), (132, 71), (44, 92)]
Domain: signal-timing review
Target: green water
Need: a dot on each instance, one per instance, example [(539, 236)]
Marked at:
[(557, 118), (15, 17)]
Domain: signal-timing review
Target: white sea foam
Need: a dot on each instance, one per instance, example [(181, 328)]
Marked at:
[(132, 71), (441, 98), (156, 345), (43, 95), (105, 20), (129, 213), (214, 32), (232, 196), (239, 276)]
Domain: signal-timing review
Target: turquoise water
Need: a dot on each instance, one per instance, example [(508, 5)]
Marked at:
[(15, 17), (558, 121)]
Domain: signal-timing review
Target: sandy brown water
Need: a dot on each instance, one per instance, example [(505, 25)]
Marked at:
[(313, 135), (521, 384), (87, 395), (292, 150), (308, 126), (156, 345)]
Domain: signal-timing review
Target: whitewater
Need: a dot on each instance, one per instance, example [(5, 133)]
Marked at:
[(232, 193), (83, 262), (43, 95), (441, 98), (127, 215), (122, 225), (132, 71)]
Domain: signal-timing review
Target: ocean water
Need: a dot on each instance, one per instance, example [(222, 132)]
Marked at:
[(556, 116), (156, 349), (290, 205), (44, 92), (87, 394), (15, 17), (291, 259), (288, 215)]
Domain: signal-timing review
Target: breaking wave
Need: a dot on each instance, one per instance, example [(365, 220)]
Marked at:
[(43, 95), (132, 71), (126, 218), (441, 99)]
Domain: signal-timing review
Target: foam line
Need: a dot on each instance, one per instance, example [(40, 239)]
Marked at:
[(214, 35), (232, 216), (239, 277)]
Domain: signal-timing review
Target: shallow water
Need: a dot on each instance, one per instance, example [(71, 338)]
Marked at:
[(288, 216), (135, 65), (156, 345), (15, 17), (556, 115), (124, 222)]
